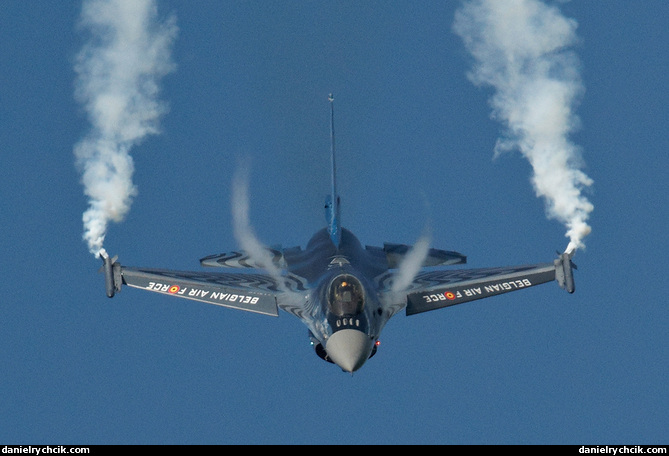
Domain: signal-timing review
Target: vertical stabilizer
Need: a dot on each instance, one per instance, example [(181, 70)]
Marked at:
[(332, 201)]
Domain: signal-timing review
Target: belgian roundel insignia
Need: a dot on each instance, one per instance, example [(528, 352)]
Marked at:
[(174, 289), (449, 295)]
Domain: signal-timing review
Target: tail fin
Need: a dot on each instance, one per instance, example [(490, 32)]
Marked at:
[(332, 201)]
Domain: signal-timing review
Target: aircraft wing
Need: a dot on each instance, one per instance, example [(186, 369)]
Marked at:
[(250, 292), (432, 290)]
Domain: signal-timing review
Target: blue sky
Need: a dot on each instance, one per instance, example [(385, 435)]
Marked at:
[(415, 144)]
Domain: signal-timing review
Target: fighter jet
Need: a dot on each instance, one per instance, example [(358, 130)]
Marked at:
[(341, 290)]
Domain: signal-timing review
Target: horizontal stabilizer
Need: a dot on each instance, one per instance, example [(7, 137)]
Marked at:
[(395, 253), (242, 260)]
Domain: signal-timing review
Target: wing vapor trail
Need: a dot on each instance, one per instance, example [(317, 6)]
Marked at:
[(411, 265), (244, 233), (118, 70), (521, 50)]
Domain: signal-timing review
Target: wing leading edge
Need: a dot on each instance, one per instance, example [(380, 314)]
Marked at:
[(436, 289)]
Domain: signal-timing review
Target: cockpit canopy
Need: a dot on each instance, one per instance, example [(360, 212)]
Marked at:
[(346, 296)]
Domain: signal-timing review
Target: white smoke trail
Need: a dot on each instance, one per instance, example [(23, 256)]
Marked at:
[(118, 72), (243, 232), (521, 50)]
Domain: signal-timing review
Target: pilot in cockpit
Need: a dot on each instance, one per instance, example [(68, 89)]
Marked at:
[(346, 296)]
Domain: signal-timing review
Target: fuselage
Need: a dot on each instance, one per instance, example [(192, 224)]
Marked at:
[(341, 307)]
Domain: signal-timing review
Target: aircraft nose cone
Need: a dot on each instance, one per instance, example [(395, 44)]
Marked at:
[(349, 349)]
